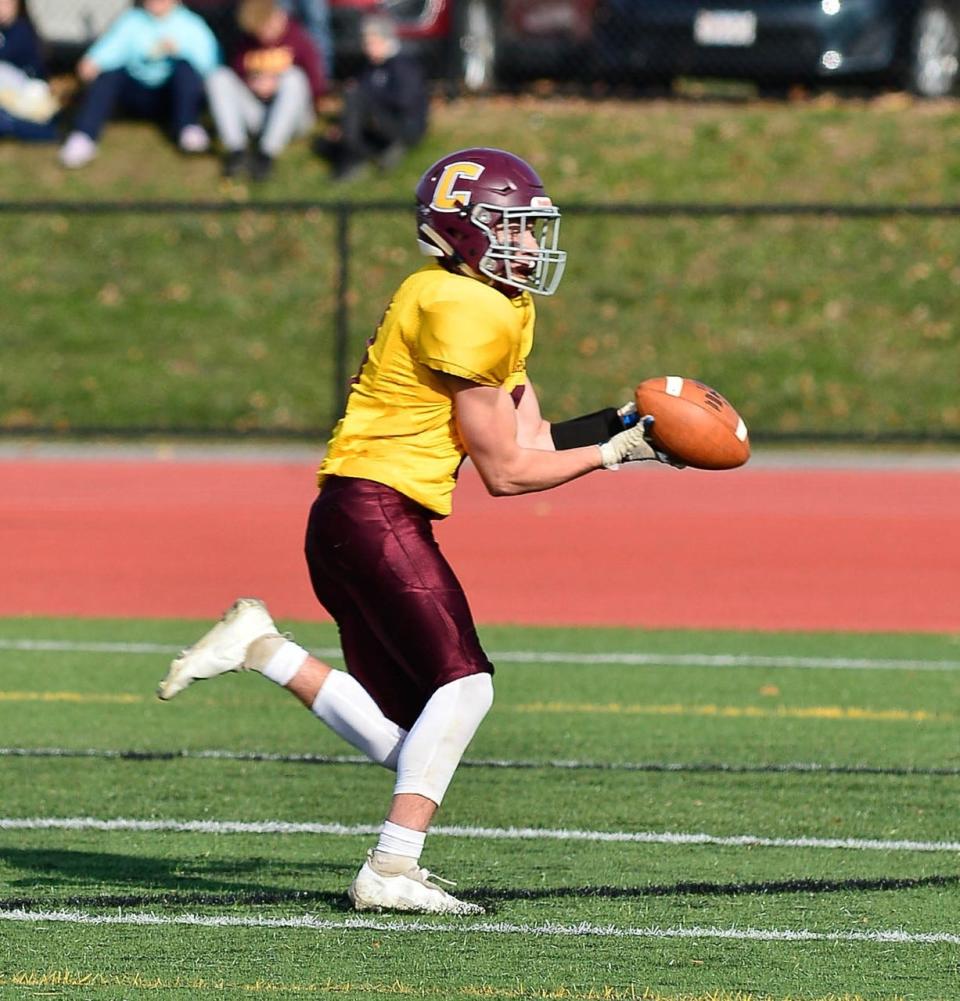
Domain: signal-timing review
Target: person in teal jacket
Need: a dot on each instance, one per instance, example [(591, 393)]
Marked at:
[(150, 63)]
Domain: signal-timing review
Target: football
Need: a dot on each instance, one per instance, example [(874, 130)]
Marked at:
[(694, 423)]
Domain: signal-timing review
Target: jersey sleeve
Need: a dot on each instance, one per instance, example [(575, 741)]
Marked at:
[(466, 340)]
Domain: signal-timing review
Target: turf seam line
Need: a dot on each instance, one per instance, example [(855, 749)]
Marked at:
[(462, 926), (628, 658), (793, 767), (484, 833)]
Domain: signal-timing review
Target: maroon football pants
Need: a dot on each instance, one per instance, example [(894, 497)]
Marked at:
[(405, 625)]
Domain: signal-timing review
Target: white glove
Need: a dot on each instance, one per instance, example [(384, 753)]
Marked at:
[(633, 445)]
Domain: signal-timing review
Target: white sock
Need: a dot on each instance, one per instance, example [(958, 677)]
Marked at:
[(403, 841), (346, 707), (284, 663), (436, 742)]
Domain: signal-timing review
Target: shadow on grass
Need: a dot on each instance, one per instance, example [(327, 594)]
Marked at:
[(180, 881), (683, 889), (183, 896)]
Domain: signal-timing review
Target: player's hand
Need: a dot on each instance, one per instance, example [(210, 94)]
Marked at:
[(634, 445)]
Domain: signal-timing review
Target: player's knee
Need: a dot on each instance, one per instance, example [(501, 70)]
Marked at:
[(477, 693), (435, 745)]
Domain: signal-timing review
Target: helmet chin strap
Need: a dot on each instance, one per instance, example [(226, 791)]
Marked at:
[(428, 249), (439, 247)]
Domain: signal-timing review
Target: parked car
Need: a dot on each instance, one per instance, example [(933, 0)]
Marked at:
[(548, 38), (914, 44)]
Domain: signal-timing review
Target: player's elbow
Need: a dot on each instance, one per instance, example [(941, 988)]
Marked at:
[(500, 485), (499, 479), (503, 474)]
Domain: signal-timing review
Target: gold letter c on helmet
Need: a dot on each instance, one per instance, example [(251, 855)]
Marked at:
[(446, 197)]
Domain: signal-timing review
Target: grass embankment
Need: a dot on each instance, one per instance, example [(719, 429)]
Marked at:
[(819, 325)]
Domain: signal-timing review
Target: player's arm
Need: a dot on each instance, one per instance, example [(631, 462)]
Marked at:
[(532, 430), (592, 429), (622, 434), (488, 425)]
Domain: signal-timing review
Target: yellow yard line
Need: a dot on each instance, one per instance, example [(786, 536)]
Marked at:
[(600, 708), (89, 698), (736, 712)]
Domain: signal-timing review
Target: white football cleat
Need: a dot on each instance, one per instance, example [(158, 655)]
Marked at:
[(407, 891), (222, 649)]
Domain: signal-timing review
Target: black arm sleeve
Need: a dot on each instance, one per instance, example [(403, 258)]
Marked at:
[(591, 429)]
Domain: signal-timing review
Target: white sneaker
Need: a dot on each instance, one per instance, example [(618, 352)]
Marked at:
[(78, 150), (222, 649), (193, 139), (409, 891)]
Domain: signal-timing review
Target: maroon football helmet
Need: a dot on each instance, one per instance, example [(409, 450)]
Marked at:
[(484, 212)]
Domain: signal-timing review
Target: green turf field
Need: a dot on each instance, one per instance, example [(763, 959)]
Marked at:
[(644, 815)]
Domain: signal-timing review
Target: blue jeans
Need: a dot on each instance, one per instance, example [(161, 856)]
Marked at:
[(21, 128), (176, 102)]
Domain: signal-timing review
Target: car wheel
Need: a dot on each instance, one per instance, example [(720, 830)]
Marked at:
[(934, 57), (475, 48)]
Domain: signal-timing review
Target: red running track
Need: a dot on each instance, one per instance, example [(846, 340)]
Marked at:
[(758, 548)]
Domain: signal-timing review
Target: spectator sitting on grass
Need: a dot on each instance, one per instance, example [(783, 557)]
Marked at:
[(151, 62), (269, 90), (384, 110), (27, 107)]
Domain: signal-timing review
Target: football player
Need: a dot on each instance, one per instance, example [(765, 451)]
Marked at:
[(444, 378)]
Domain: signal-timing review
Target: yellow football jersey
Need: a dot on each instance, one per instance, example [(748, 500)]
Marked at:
[(399, 428)]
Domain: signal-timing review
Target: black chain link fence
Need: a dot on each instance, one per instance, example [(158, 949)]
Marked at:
[(822, 322)]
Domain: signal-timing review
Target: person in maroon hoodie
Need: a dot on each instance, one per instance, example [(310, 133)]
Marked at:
[(269, 91)]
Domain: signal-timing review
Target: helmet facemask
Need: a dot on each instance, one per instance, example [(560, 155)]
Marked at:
[(523, 245)]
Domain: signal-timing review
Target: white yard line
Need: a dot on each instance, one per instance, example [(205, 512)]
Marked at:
[(626, 658), (484, 833), (461, 927)]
